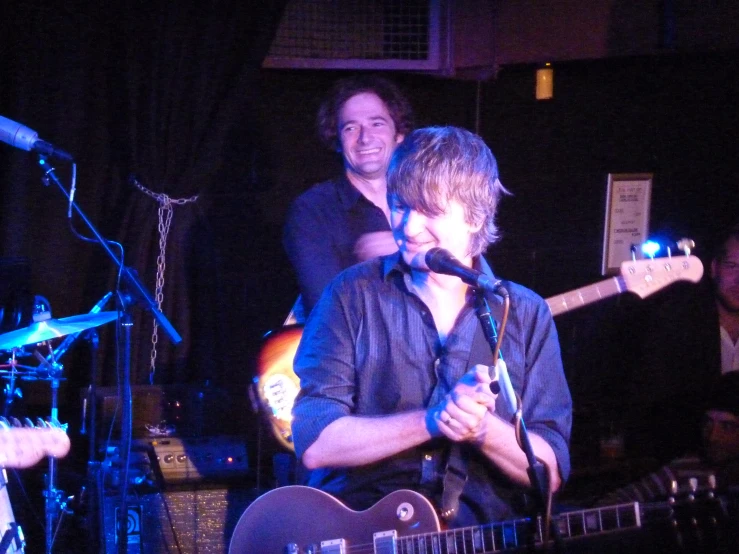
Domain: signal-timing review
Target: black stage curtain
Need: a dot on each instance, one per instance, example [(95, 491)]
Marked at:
[(165, 91)]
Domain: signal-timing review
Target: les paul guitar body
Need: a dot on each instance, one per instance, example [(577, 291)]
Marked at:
[(277, 385), (304, 516)]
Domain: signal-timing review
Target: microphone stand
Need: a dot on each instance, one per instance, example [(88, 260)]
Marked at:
[(536, 471), (143, 299), (141, 295)]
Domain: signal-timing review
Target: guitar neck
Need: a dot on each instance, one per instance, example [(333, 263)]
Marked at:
[(642, 277), (586, 295), (495, 537)]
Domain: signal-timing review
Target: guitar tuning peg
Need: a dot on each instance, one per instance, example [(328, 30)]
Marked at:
[(4, 423), (15, 422), (28, 422), (693, 484), (41, 424), (686, 245), (55, 424), (712, 482)]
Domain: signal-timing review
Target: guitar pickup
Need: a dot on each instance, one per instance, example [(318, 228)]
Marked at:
[(336, 546), (385, 542)]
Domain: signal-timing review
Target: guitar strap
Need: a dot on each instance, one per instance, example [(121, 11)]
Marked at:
[(455, 474)]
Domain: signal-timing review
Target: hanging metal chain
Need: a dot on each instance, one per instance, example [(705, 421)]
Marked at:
[(165, 212)]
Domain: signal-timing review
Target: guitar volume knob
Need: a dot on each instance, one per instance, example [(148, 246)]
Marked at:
[(405, 511)]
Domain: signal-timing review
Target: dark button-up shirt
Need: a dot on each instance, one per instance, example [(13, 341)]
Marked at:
[(371, 348), (322, 228)]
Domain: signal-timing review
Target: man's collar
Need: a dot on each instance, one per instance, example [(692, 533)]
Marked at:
[(481, 264), (393, 262), (349, 195)]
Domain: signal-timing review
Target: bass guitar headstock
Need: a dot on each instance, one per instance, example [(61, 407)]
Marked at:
[(645, 277)]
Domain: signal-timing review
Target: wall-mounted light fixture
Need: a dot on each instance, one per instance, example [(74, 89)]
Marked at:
[(545, 82)]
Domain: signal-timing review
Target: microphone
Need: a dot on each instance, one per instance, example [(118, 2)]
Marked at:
[(22, 137), (439, 260)]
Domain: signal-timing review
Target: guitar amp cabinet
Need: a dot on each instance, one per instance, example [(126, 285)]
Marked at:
[(167, 461), (197, 521), (181, 460), (184, 410)]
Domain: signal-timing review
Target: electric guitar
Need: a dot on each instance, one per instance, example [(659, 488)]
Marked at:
[(22, 447), (300, 519), (277, 385), (303, 520)]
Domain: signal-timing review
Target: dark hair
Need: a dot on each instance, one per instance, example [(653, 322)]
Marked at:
[(344, 89), (434, 165)]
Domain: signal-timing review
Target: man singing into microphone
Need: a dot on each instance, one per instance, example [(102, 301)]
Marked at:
[(395, 384)]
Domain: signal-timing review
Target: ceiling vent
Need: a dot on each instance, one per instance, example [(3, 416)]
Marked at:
[(409, 35)]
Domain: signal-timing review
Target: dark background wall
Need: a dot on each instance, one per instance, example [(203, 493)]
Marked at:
[(178, 98)]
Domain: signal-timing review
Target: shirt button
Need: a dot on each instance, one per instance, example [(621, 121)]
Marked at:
[(427, 457)]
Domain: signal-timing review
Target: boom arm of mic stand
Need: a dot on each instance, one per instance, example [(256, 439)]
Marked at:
[(137, 287)]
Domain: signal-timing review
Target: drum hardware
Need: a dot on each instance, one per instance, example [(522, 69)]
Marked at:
[(47, 329), (43, 329), (14, 371)]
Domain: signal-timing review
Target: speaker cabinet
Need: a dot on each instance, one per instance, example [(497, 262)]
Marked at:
[(198, 521)]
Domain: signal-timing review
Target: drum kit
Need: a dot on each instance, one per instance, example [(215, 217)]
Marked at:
[(26, 342)]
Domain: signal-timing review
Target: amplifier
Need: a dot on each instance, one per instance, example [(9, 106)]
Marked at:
[(173, 461), (199, 521), (196, 459), (183, 410)]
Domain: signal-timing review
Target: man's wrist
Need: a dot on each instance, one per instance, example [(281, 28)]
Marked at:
[(432, 422)]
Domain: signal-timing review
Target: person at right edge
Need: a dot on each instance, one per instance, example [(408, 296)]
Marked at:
[(395, 385), (690, 340)]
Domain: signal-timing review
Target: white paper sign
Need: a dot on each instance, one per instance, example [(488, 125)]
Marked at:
[(627, 218)]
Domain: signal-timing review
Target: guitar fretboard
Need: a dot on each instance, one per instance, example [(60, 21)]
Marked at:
[(496, 537), (585, 295)]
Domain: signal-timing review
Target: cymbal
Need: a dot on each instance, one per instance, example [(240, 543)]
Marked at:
[(53, 328)]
